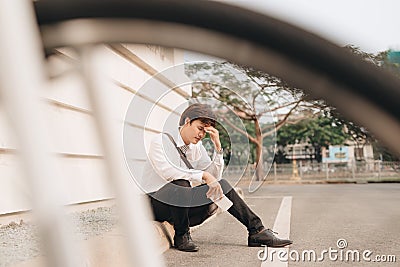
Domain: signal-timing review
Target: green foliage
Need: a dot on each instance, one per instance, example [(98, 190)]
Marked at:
[(353, 131), (390, 60), (320, 131), (383, 153), (357, 133), (229, 137), (385, 59)]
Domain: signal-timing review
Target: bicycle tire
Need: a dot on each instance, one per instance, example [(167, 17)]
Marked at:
[(339, 71)]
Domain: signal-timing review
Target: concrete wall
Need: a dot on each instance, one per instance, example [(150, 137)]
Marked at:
[(126, 69)]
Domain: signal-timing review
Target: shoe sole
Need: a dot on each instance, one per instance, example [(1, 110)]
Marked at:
[(187, 250), (276, 246)]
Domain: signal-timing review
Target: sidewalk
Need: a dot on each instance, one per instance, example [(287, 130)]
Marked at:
[(102, 251), (104, 246)]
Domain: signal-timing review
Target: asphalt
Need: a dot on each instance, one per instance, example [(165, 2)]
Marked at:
[(365, 215)]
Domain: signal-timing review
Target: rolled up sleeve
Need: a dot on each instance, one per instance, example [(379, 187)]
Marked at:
[(214, 166), (217, 165)]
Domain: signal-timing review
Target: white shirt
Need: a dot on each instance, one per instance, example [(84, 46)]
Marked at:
[(164, 163)]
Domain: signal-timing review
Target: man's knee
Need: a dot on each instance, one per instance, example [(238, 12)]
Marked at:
[(226, 187)]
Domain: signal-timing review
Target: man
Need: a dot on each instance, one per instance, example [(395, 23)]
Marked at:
[(176, 164)]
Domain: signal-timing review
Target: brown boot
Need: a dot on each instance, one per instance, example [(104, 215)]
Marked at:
[(185, 243)]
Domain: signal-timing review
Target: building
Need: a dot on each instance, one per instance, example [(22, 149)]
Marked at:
[(348, 154), (125, 69), (335, 154)]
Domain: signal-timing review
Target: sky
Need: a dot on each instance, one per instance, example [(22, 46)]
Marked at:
[(372, 25)]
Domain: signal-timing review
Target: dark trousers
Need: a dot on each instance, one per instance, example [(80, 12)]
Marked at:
[(185, 206)]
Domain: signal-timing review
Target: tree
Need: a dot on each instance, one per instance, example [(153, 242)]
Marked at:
[(359, 134), (319, 132), (253, 96), (337, 126)]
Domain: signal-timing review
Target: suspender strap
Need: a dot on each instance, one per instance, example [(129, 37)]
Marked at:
[(183, 156)]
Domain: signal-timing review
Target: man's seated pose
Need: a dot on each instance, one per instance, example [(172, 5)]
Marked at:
[(177, 163)]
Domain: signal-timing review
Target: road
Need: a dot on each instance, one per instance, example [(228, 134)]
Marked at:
[(366, 216)]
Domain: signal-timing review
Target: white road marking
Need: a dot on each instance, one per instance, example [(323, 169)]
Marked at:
[(282, 226), (263, 197)]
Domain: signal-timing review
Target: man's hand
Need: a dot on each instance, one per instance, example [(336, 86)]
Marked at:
[(215, 190), (214, 135)]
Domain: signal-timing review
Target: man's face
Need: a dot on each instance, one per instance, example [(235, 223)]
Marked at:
[(194, 132)]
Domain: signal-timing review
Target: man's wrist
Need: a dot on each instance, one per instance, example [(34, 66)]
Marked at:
[(218, 147), (208, 178)]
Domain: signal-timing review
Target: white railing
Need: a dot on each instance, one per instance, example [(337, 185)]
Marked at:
[(371, 170), (22, 76)]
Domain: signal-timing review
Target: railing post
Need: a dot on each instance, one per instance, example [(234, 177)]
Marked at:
[(135, 213), (379, 169), (22, 78), (301, 168), (327, 170)]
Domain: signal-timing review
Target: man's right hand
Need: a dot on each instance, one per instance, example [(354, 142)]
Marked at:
[(215, 190)]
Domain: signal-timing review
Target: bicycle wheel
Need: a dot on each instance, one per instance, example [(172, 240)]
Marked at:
[(358, 89)]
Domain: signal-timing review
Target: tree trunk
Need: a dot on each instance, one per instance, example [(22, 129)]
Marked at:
[(318, 153), (259, 152), (259, 163)]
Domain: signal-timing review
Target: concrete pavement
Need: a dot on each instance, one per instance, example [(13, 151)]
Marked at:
[(365, 216)]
